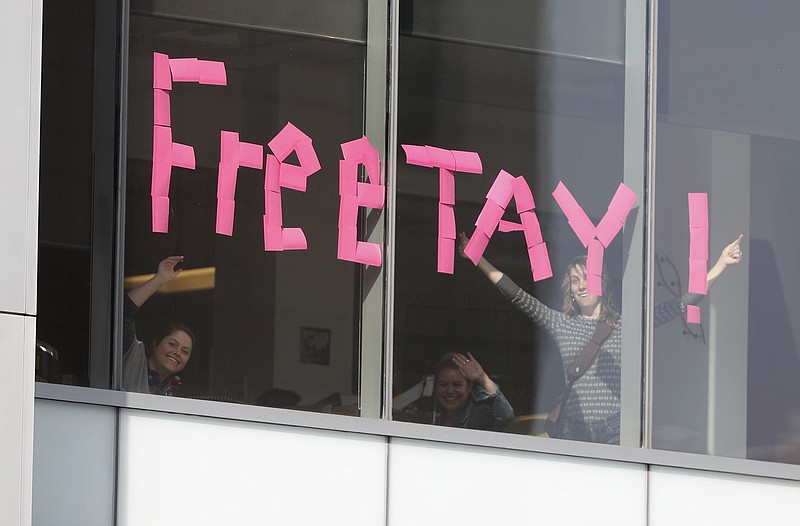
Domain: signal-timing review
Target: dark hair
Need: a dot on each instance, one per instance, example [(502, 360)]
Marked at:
[(169, 329), (608, 309), (446, 362)]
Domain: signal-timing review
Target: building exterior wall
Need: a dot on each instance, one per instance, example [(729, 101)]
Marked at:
[(99, 464), (20, 38)]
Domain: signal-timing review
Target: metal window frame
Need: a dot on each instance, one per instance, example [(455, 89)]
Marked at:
[(377, 326)]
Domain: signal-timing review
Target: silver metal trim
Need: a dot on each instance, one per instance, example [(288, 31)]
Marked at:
[(387, 428), (517, 49), (250, 27), (649, 207), (373, 303), (391, 199)]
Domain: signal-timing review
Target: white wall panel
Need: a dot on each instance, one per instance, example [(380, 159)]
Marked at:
[(691, 498), (177, 470), (17, 335), (20, 60), (73, 468), (449, 484)]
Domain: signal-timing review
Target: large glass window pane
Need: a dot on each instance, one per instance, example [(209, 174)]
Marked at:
[(728, 128), (77, 161), (537, 90), (272, 327)]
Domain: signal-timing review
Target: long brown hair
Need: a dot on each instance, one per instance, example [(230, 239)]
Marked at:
[(609, 312)]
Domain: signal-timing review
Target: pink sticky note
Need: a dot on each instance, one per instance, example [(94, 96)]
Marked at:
[(476, 246), (283, 143), (226, 181), (416, 155), (273, 208), (161, 114), (348, 211), (293, 177), (160, 213), (583, 229), (160, 179), (489, 217), (594, 258), (508, 226), (530, 225), (502, 189), (441, 158), (346, 249), (225, 211), (162, 78), (594, 284), (693, 314), (212, 73), (294, 239), (447, 221), (348, 177), (698, 210), (273, 237), (469, 162), (307, 156), (356, 150), (272, 177), (446, 255), (447, 187), (569, 205), (608, 228), (576, 217), (371, 195), (523, 197), (183, 156), (698, 243), (229, 147), (251, 155), (368, 254), (372, 161), (563, 197), (698, 283), (540, 262), (185, 69), (622, 202), (162, 144)]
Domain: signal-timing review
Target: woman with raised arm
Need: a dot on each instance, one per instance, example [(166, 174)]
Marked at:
[(466, 397), (153, 372), (591, 411)]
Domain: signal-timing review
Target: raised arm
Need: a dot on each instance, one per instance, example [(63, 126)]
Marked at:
[(731, 255), (487, 268), (166, 273), (668, 310), (473, 371), (492, 412)]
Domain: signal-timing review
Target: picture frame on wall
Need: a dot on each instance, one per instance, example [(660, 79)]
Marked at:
[(315, 345)]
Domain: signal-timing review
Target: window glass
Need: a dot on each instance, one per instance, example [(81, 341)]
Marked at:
[(276, 327), (65, 195), (725, 380), (537, 90)]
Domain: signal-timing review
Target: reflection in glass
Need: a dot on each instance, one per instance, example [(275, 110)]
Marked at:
[(728, 126), (535, 95), (248, 308), (65, 196)]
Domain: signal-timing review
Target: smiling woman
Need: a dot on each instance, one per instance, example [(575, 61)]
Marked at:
[(467, 397), (157, 371)]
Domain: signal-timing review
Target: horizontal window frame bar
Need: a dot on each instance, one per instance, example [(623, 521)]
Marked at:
[(392, 429)]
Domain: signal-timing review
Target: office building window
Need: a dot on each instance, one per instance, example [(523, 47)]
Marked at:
[(727, 132), (511, 124), (235, 125)]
